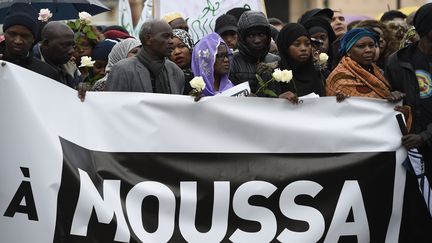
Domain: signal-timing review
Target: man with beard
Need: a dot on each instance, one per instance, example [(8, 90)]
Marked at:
[(20, 29), (150, 71), (253, 45)]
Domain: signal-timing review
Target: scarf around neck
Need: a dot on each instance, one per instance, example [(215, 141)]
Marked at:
[(158, 72)]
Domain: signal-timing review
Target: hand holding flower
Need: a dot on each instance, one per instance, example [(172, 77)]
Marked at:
[(278, 75), (198, 85)]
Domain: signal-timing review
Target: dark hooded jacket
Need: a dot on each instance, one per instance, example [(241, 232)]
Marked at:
[(245, 61)]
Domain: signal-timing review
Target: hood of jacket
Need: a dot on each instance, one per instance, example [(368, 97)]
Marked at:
[(249, 21)]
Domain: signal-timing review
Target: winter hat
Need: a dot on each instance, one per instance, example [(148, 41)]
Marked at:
[(225, 23), (22, 14), (103, 49), (423, 19)]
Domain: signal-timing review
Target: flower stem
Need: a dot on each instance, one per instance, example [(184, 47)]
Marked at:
[(264, 86)]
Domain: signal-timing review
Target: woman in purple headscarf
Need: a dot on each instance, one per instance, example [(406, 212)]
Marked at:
[(211, 59)]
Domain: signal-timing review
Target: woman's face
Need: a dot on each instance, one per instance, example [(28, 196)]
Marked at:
[(324, 38), (222, 61), (382, 42), (180, 54), (82, 48), (300, 50), (363, 51), (133, 52)]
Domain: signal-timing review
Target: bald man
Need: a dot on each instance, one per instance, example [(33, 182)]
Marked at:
[(56, 48), (150, 71)]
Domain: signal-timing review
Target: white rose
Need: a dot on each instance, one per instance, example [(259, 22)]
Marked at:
[(44, 15), (286, 76), (86, 62), (277, 74), (323, 58), (85, 17), (197, 83)]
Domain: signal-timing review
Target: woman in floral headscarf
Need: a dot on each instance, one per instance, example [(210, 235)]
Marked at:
[(182, 54), (211, 59)]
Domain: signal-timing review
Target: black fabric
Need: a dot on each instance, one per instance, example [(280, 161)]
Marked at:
[(423, 19), (245, 61), (307, 79), (322, 12), (422, 65), (224, 23), (31, 63), (158, 72), (402, 77), (416, 221), (237, 12), (22, 14), (188, 74)]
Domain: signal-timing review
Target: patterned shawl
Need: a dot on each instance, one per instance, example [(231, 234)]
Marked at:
[(350, 79), (203, 60)]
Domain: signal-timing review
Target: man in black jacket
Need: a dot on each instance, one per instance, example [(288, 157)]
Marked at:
[(409, 70), (20, 29), (253, 46)]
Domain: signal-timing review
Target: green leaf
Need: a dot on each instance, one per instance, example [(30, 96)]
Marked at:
[(259, 78), (261, 83), (87, 29), (77, 24), (71, 25), (269, 93), (91, 36)]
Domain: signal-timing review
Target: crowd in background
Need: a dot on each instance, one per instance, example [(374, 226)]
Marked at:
[(390, 59)]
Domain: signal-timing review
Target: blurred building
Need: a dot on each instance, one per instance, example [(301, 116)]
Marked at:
[(369, 8)]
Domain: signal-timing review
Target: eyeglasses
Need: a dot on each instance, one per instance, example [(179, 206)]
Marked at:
[(221, 56)]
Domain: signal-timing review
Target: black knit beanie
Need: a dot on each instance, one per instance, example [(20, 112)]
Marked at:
[(22, 14), (423, 19)]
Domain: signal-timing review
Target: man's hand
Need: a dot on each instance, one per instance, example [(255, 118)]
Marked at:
[(290, 96), (341, 97), (82, 89), (412, 141), (396, 96)]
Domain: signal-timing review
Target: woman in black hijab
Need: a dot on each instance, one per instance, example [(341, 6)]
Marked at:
[(295, 50)]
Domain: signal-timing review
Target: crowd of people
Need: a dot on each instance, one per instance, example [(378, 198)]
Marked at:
[(388, 59)]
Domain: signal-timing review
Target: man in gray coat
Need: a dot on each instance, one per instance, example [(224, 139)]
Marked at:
[(150, 71)]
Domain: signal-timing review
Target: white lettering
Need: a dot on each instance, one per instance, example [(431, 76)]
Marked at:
[(246, 211), (300, 212), (350, 198), (188, 203), (166, 198), (105, 209)]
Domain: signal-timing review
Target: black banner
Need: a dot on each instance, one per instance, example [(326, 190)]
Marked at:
[(333, 178)]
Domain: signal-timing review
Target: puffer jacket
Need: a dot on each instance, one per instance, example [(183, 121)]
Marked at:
[(245, 61)]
